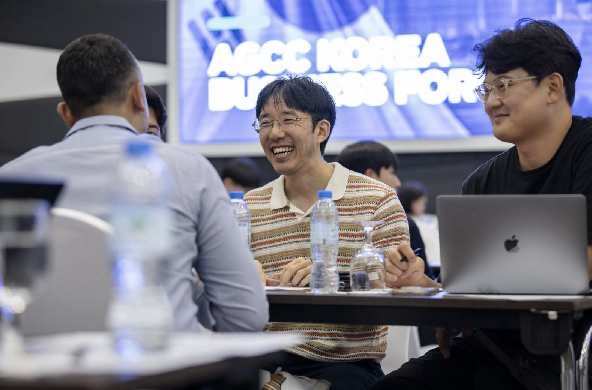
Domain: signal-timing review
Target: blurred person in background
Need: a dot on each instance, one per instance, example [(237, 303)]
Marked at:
[(241, 174), (375, 160), (414, 198), (157, 113)]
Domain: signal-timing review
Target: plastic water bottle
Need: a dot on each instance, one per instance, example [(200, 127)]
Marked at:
[(140, 316), (324, 241), (243, 215)]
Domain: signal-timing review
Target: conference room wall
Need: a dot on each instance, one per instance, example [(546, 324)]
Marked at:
[(441, 173), (34, 32)]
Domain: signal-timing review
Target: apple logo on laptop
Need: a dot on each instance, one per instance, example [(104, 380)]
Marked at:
[(512, 245)]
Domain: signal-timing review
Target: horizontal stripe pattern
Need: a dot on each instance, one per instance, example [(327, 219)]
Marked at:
[(277, 238)]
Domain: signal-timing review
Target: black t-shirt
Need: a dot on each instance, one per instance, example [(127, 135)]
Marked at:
[(568, 172)]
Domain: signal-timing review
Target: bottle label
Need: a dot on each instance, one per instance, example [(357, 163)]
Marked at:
[(245, 229), (323, 233), (141, 228)]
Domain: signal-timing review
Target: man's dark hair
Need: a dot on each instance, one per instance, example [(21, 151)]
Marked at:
[(539, 47), (303, 94), (409, 192), (94, 69), (243, 171), (156, 103), (367, 154)]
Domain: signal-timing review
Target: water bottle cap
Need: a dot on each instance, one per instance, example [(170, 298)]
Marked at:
[(325, 194), (137, 148), (236, 194)]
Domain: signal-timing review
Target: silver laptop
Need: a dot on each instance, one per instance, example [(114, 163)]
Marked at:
[(513, 244)]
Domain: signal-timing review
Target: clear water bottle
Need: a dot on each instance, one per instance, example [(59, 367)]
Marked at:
[(140, 316), (324, 241), (243, 215)]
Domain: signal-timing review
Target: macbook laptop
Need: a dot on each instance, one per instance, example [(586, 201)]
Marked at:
[(513, 244)]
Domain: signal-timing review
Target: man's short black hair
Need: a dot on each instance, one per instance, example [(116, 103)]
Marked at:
[(243, 171), (539, 47), (303, 94), (156, 103), (367, 154), (94, 69), (409, 192)]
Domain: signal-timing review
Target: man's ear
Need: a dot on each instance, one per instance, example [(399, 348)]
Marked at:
[(66, 115), (556, 88), (370, 172), (324, 130), (138, 96)]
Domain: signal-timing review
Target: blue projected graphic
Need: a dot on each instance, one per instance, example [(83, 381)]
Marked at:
[(397, 69), (333, 14)]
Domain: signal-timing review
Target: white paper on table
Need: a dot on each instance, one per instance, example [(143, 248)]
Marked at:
[(368, 292), (336, 292), (496, 297), (287, 288), (55, 355), (372, 292)]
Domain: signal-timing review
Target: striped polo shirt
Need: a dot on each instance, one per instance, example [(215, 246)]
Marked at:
[(280, 233)]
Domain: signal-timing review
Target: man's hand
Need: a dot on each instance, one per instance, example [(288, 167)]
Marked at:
[(443, 338), (267, 281), (297, 272), (403, 268)]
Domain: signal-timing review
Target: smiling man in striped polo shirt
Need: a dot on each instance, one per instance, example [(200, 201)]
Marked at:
[(295, 117)]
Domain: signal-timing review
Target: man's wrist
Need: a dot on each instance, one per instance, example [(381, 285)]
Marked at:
[(423, 281), (426, 281)]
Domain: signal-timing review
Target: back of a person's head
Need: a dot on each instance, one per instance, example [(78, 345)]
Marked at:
[(155, 103), (303, 94), (95, 69), (360, 156), (244, 172), (409, 192), (539, 47)]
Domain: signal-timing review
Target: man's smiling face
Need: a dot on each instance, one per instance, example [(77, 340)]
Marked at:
[(519, 115), (287, 150)]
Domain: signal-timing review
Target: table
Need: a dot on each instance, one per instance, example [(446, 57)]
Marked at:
[(233, 373), (547, 327), (221, 361)]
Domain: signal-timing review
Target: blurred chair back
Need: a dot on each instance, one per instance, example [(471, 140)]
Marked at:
[(76, 292)]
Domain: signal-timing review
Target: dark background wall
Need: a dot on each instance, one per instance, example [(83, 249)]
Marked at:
[(141, 24), (441, 173)]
